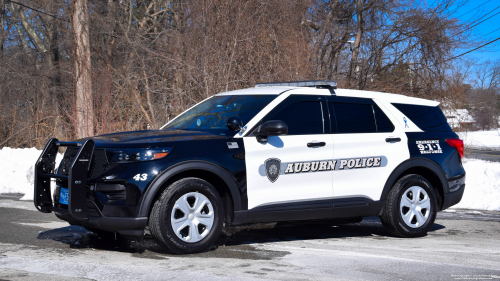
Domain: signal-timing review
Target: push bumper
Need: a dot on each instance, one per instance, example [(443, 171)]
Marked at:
[(457, 186), (80, 211)]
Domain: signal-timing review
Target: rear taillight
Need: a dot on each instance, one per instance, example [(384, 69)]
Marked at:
[(458, 144)]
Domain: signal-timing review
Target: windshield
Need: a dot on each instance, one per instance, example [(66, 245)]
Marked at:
[(211, 115)]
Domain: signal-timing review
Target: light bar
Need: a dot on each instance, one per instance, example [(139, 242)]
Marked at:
[(310, 83)]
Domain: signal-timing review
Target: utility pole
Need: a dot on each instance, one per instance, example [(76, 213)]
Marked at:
[(83, 81)]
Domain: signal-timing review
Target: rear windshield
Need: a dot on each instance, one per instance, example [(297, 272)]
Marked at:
[(427, 118), (211, 115)]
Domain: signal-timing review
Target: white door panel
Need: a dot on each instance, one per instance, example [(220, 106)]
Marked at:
[(287, 187), (367, 181)]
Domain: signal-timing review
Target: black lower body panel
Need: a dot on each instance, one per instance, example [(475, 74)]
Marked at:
[(124, 225), (453, 198), (356, 207), (343, 208), (308, 210)]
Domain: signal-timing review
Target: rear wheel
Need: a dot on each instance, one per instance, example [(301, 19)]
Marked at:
[(410, 208), (188, 216)]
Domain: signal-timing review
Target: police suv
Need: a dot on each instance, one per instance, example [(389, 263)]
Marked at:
[(278, 152)]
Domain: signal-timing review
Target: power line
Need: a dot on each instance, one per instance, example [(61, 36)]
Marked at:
[(491, 32), (472, 50), (474, 9), (486, 19), (37, 10), (56, 17), (478, 22)]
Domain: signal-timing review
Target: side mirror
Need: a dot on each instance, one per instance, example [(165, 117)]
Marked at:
[(234, 123), (271, 128)]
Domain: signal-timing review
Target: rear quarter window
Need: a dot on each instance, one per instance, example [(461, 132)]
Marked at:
[(427, 118)]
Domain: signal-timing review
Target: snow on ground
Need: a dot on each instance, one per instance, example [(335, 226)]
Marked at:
[(482, 190), (482, 185), (481, 139), (17, 170)]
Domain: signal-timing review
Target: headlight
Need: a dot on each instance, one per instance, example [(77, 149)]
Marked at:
[(129, 155)]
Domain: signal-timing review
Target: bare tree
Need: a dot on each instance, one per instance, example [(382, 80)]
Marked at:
[(77, 68), (83, 82)]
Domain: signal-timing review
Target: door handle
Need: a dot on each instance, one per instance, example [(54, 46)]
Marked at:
[(393, 139), (316, 144)]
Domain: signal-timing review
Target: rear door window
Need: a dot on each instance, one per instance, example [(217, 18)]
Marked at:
[(384, 125), (350, 118), (354, 118)]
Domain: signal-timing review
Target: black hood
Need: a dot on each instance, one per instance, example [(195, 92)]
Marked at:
[(149, 138)]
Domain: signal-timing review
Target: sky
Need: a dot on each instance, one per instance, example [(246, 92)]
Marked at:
[(492, 51)]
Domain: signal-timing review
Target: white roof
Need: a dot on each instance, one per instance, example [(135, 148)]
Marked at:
[(392, 98), (257, 91)]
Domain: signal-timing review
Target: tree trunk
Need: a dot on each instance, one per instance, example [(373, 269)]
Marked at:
[(83, 82), (357, 40), (55, 86), (2, 26)]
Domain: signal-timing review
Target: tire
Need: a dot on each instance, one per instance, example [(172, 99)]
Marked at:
[(410, 209), (180, 218)]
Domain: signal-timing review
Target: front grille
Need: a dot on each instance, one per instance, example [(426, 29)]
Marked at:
[(99, 163), (98, 166)]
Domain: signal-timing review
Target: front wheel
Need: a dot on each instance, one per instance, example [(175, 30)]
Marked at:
[(188, 216), (410, 209)]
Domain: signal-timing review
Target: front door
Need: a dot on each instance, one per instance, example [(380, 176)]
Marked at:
[(293, 171)]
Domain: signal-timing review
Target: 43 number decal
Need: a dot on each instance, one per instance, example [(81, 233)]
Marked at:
[(140, 177)]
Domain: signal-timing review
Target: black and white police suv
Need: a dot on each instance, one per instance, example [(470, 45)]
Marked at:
[(278, 152)]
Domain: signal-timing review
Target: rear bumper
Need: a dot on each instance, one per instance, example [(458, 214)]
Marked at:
[(124, 226), (457, 186)]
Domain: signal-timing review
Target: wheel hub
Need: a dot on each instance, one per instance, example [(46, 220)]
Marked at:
[(192, 217), (415, 207)]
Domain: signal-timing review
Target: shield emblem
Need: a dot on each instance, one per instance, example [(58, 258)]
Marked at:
[(273, 168)]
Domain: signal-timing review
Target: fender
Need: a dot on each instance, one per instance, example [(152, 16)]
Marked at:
[(411, 163), (157, 183)]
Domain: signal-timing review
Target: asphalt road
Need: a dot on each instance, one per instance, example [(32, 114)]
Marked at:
[(462, 245), (489, 155)]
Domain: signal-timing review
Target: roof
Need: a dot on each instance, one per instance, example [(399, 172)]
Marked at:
[(257, 91), (273, 90), (392, 98)]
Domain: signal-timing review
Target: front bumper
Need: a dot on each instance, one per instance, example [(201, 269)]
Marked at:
[(124, 226), (79, 211), (457, 186)]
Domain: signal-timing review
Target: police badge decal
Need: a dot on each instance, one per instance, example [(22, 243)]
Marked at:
[(273, 168)]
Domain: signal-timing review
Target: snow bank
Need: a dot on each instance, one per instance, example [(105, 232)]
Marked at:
[(481, 139), (17, 170), (482, 185)]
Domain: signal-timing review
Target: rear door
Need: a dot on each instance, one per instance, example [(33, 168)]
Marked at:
[(367, 147), (292, 171)]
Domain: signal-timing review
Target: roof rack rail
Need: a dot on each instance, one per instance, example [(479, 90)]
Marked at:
[(307, 83)]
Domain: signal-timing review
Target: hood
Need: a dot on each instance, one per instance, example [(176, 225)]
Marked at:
[(150, 138)]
